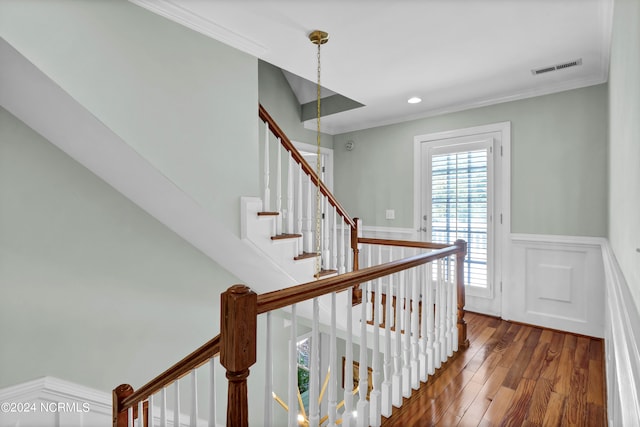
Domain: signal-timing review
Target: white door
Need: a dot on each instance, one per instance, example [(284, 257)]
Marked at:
[(461, 199)]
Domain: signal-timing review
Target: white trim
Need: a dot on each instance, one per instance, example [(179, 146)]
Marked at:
[(559, 239), (622, 345), (374, 229), (177, 13), (502, 177)]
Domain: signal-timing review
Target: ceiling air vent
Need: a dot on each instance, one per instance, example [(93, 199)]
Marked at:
[(557, 67)]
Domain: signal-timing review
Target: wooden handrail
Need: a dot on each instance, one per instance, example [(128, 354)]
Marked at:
[(295, 294), (194, 360), (239, 308), (403, 243), (288, 145)]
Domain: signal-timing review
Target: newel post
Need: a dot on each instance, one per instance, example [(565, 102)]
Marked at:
[(463, 341), (238, 320), (119, 394)]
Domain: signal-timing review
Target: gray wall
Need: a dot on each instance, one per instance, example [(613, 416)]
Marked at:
[(624, 142), (558, 164), (185, 102), (93, 289)]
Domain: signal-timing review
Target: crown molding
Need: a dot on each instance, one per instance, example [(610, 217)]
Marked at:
[(177, 13)]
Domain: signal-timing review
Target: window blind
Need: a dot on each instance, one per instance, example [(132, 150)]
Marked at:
[(459, 200)]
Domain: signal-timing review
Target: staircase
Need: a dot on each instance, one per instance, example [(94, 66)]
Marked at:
[(346, 282), (286, 250)]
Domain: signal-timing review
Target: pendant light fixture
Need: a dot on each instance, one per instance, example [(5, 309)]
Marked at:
[(318, 38)]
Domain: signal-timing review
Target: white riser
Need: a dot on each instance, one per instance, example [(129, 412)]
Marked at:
[(259, 229)]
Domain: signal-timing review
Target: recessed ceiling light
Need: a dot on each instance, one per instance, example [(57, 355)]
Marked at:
[(414, 100)]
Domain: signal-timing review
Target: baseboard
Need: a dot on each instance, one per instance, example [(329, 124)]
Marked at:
[(622, 346)]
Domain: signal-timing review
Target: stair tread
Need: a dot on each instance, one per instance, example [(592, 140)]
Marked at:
[(305, 255), (286, 236), (268, 213), (323, 273)]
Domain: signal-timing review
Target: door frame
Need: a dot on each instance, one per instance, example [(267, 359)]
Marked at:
[(303, 147), (502, 222)]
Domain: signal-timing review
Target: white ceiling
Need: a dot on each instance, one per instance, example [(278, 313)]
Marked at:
[(454, 54)]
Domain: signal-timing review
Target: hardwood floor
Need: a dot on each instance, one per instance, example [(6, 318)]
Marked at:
[(513, 375)]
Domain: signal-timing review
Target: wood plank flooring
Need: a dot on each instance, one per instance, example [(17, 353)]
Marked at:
[(512, 375)]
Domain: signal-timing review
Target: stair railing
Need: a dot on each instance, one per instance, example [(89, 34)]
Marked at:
[(430, 281), (295, 185)]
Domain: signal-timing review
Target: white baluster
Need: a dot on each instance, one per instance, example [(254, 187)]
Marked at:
[(362, 419), (267, 192), (279, 187), (299, 213), (292, 401), (268, 380), (454, 315), (140, 414), (151, 411), (347, 416), (406, 373), (374, 397), (379, 305), (314, 374), (343, 249), (130, 417), (163, 408), (308, 235), (424, 275), (290, 214), (176, 403), (397, 352), (430, 320), (333, 368), (447, 304), (415, 325), (334, 241), (370, 303), (212, 392), (385, 406), (193, 421), (326, 248), (437, 361), (442, 309)]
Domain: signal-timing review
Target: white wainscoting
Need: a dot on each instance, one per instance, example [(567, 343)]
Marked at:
[(556, 282), (392, 233), (52, 402), (622, 347), (35, 403)]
